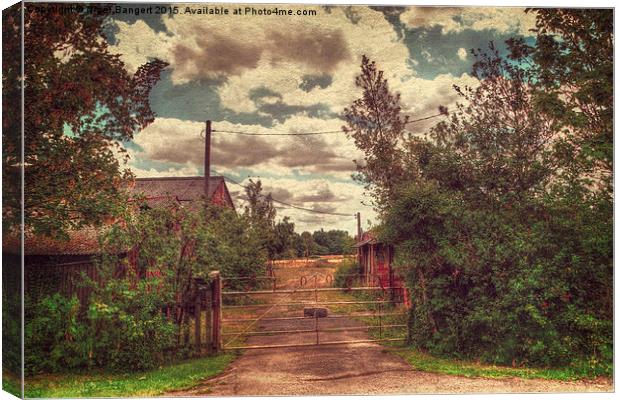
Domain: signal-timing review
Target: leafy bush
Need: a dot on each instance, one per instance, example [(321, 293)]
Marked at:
[(54, 337), (11, 331), (127, 327), (345, 273)]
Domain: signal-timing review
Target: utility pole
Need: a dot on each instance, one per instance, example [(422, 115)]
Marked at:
[(359, 239), (207, 158)]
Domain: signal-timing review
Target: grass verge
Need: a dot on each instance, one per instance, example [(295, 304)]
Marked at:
[(178, 376), (425, 362)]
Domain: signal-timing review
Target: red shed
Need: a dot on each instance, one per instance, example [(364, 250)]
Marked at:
[(376, 260)]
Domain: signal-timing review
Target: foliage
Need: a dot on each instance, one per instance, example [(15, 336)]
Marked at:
[(502, 223), (80, 103), (11, 328), (571, 67), (376, 125), (261, 215), (53, 335), (127, 329), (333, 241), (344, 273), (137, 317), (178, 376), (284, 239)]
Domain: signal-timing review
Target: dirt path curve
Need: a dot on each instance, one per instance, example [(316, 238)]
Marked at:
[(366, 368)]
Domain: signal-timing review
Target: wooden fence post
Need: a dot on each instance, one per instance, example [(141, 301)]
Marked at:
[(197, 321), (215, 328)]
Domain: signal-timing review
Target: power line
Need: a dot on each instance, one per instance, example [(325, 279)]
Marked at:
[(277, 134), (425, 118), (312, 133), (283, 202)]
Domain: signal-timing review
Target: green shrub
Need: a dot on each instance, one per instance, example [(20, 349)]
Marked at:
[(54, 337), (127, 329), (345, 273)]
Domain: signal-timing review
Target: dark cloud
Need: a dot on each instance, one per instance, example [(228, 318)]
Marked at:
[(320, 50), (281, 111), (352, 14), (251, 150), (279, 193), (177, 151), (323, 195), (257, 94), (218, 56), (309, 82), (324, 208)]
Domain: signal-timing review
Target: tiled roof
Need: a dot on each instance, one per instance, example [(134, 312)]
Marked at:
[(81, 242), (159, 191)]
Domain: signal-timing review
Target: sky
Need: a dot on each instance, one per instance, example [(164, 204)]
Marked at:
[(292, 74)]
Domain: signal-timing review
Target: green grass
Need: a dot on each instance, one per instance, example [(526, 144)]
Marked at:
[(425, 362), (179, 376), (11, 384)]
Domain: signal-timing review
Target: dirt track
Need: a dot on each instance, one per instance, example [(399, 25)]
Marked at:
[(364, 368)]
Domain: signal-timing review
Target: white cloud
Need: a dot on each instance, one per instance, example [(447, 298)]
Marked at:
[(457, 19), (462, 53)]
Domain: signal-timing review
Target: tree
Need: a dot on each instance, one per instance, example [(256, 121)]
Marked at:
[(333, 241), (501, 221), (80, 104), (571, 66), (307, 244), (284, 239), (261, 214), (376, 124)]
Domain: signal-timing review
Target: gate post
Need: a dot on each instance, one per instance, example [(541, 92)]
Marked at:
[(215, 327), (197, 321)]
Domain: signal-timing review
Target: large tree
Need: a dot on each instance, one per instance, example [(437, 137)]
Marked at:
[(376, 124), (80, 103)]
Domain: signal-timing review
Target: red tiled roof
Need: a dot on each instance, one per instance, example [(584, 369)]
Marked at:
[(184, 190), (81, 242)]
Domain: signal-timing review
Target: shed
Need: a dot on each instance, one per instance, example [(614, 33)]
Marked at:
[(376, 264)]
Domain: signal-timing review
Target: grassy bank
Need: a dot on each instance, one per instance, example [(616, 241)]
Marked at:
[(178, 376), (425, 362)]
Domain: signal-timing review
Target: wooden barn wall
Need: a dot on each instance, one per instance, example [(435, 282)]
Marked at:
[(45, 276)]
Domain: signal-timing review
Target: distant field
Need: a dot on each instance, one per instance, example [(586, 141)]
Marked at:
[(332, 259)]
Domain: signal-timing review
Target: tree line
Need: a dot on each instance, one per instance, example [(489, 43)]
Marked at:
[(280, 240), (501, 215)]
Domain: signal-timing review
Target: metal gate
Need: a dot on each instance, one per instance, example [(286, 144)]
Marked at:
[(310, 311)]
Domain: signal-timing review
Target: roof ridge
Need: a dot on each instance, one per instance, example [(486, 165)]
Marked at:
[(164, 178)]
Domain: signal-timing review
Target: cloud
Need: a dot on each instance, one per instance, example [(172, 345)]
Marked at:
[(458, 19), (309, 82), (214, 55), (462, 53), (176, 141)]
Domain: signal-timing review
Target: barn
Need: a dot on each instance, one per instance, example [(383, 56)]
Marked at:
[(52, 266)]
